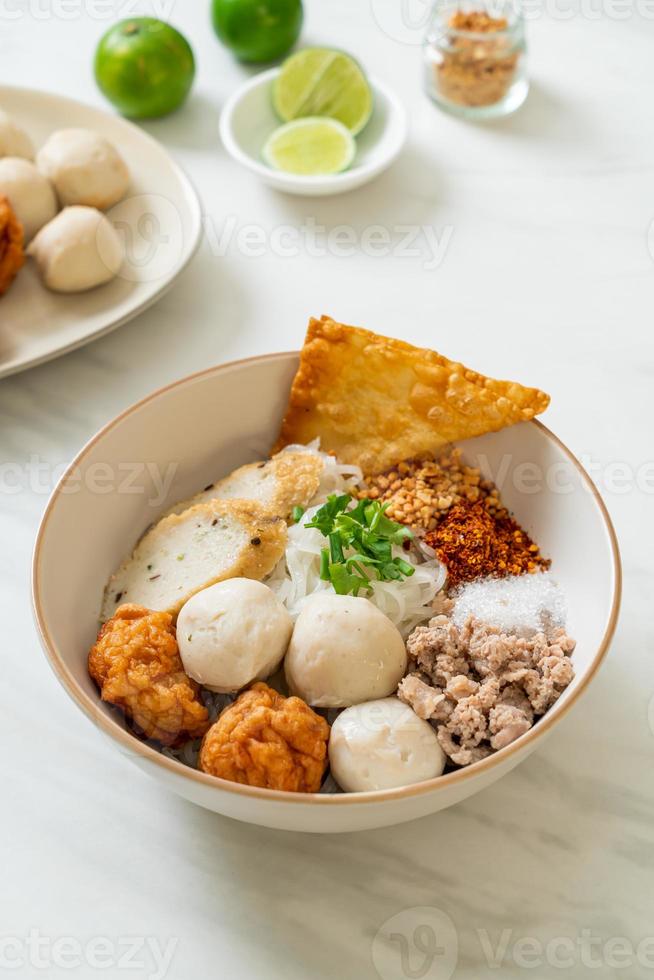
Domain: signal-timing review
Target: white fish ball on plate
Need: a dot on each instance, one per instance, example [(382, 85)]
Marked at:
[(383, 745), (30, 194), (343, 650), (233, 633), (84, 167), (14, 141), (78, 250)]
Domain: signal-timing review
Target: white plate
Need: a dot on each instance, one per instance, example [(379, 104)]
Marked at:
[(160, 222), (248, 119)]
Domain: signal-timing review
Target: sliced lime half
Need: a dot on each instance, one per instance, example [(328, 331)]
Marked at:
[(322, 82), (310, 146)]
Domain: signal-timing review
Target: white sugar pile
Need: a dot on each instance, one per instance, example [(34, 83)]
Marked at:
[(522, 604)]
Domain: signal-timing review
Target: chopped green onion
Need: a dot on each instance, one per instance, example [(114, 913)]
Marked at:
[(336, 548), (404, 567), (324, 564), (361, 537), (297, 514)]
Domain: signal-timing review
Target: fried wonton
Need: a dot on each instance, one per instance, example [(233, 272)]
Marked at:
[(374, 401)]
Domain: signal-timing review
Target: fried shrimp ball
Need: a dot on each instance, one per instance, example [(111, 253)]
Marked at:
[(265, 739), (12, 255), (136, 664)]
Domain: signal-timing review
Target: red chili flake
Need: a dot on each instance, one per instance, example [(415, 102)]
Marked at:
[(472, 543)]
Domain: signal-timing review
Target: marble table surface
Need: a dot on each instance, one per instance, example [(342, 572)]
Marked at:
[(532, 258)]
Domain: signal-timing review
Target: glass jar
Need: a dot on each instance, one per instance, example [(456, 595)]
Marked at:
[(474, 58)]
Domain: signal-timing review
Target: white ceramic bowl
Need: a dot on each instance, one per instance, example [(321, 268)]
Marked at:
[(248, 119), (108, 497)]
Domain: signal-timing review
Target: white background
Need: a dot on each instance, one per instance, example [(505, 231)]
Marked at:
[(548, 279)]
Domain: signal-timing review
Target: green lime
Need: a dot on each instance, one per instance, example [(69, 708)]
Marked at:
[(144, 67), (320, 82), (257, 30), (314, 145)]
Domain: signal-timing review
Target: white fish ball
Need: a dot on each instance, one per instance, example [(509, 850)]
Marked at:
[(77, 250), (84, 168), (30, 194), (14, 141)]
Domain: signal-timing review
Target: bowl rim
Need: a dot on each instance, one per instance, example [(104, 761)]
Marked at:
[(135, 747), (308, 180)]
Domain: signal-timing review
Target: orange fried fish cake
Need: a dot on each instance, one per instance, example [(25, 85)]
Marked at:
[(136, 664), (264, 739)]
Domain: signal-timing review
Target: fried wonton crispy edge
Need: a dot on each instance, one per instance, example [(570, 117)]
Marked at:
[(465, 403)]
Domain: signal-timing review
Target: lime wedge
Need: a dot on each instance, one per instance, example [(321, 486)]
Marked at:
[(321, 82), (310, 146)]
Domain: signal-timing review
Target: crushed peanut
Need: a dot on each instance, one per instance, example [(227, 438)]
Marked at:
[(420, 492), (460, 514), (475, 71)]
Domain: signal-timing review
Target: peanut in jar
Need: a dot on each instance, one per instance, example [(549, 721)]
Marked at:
[(474, 59)]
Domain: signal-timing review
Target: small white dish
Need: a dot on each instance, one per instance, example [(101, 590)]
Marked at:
[(160, 222), (249, 118), (168, 433)]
